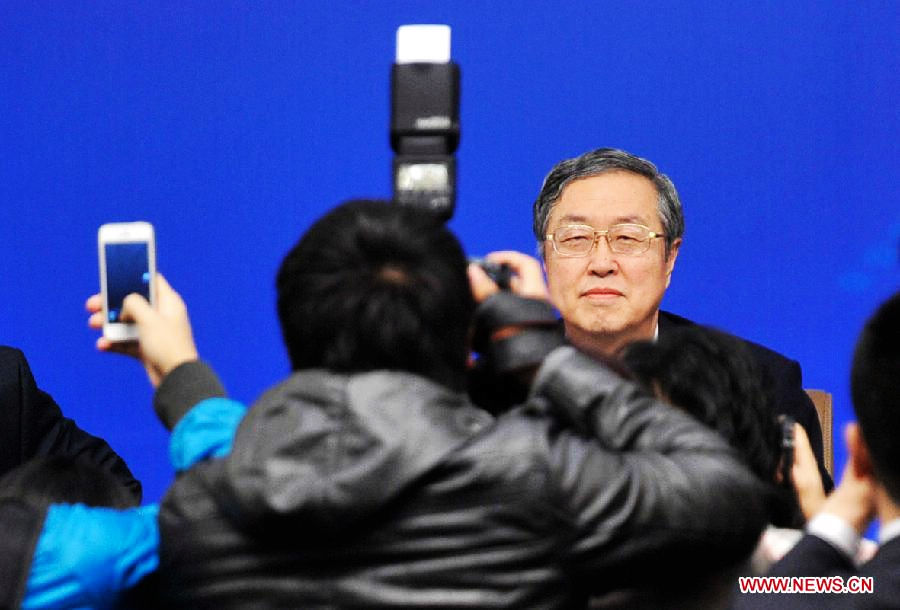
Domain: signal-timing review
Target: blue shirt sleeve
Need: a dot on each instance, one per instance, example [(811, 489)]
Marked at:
[(206, 431), (86, 556)]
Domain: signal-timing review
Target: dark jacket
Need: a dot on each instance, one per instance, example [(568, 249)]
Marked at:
[(502, 360), (384, 489), (57, 554), (31, 424), (787, 389), (21, 529), (814, 557)]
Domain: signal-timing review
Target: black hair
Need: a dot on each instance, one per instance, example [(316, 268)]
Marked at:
[(598, 162), (374, 285), (713, 376), (875, 388), (47, 480)]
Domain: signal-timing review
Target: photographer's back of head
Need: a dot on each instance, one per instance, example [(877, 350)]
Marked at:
[(372, 285), (875, 387), (712, 376)]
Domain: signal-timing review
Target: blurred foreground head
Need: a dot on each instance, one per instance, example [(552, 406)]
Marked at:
[(875, 387), (372, 285), (712, 376)]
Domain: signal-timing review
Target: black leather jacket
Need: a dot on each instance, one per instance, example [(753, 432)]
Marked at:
[(384, 489)]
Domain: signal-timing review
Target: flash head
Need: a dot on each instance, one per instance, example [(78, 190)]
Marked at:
[(426, 182), (433, 176), (425, 119)]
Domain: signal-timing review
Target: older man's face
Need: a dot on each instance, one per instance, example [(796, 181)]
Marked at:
[(608, 300)]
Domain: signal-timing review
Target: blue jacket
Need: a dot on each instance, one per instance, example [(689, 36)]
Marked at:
[(87, 556)]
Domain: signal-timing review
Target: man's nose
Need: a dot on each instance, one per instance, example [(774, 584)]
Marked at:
[(602, 260)]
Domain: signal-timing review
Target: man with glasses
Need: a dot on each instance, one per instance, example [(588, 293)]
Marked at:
[(609, 226)]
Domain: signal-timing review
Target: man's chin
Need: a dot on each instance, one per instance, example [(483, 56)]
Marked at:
[(596, 330), (606, 326), (606, 334)]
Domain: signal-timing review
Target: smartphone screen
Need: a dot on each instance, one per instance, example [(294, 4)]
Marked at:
[(127, 271)]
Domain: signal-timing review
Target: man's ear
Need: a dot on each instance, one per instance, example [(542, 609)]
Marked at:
[(858, 451), (670, 261)]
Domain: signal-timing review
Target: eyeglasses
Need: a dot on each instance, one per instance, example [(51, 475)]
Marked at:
[(579, 240)]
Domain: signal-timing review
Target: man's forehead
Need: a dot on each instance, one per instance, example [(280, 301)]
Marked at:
[(579, 218), (608, 198)]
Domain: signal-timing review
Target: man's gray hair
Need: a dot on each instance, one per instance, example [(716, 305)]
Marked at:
[(597, 162)]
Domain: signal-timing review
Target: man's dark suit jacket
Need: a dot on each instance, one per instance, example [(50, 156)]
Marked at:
[(788, 391), (814, 557), (31, 424)]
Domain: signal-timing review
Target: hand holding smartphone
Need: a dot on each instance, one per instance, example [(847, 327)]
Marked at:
[(127, 252)]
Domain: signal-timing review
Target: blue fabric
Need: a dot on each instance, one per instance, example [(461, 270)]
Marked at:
[(206, 431), (86, 556)]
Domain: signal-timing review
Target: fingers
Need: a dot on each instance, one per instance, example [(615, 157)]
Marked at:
[(162, 284), (96, 320), (165, 294), (136, 308), (94, 303), (169, 302), (528, 276), (517, 260), (805, 469), (127, 348), (803, 453), (805, 474), (482, 285), (804, 464), (165, 338)]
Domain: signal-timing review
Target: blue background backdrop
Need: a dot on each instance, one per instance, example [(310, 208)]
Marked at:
[(232, 125)]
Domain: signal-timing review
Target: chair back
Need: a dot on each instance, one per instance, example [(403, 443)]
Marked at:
[(822, 401)]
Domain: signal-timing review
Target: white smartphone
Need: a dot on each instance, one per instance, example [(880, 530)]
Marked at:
[(127, 264)]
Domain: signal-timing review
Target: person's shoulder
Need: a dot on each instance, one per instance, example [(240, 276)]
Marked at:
[(883, 574), (763, 354), (774, 359), (11, 354), (12, 365), (886, 558), (667, 319)]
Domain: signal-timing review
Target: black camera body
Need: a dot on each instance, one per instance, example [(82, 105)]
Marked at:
[(787, 448), (500, 273)]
